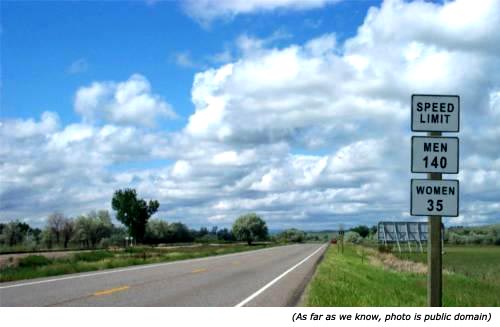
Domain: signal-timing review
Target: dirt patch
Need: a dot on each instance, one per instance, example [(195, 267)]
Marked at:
[(391, 262)]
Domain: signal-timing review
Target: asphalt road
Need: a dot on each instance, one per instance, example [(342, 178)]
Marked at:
[(268, 277)]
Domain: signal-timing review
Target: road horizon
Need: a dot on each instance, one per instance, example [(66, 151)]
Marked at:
[(266, 277)]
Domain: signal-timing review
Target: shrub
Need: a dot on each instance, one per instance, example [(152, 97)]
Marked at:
[(33, 261), (384, 248), (291, 235), (208, 238), (352, 237), (105, 243), (92, 256), (362, 230), (497, 241)]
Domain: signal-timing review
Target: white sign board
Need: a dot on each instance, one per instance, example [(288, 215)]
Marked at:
[(434, 155), (435, 113), (434, 197)]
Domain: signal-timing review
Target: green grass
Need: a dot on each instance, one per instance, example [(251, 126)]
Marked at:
[(474, 261), (33, 261), (35, 266), (347, 280)]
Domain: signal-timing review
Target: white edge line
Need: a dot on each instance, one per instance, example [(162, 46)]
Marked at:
[(271, 283), (140, 267)]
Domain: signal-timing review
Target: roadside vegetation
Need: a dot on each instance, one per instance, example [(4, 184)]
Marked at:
[(480, 262), (95, 230), (34, 266), (98, 243), (362, 276)]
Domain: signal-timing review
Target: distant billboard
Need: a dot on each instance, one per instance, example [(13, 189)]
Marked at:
[(397, 232)]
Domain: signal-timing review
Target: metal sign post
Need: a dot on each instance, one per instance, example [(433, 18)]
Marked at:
[(434, 196)]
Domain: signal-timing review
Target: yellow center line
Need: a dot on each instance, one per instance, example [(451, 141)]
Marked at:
[(236, 263), (111, 290), (199, 270)]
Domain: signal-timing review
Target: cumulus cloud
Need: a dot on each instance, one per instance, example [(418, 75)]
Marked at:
[(129, 103), (208, 10), (308, 135), (285, 93), (354, 98)]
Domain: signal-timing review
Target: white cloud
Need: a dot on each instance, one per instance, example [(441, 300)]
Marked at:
[(283, 92), (322, 94), (130, 103), (184, 59), (78, 66), (222, 57), (207, 10), (307, 135), (20, 128)]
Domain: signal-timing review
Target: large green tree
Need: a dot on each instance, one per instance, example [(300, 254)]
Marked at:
[(249, 228), (90, 229), (133, 212)]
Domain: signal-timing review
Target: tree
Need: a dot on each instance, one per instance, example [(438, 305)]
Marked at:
[(292, 235), (225, 235), (55, 224), (92, 228), (68, 230), (180, 233), (12, 233), (104, 225), (17, 232), (157, 231), (47, 238), (133, 212), (249, 228), (362, 230), (203, 231)]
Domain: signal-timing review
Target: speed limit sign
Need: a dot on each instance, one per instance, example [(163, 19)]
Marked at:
[(434, 197)]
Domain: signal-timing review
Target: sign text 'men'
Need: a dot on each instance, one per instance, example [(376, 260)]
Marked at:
[(434, 154)]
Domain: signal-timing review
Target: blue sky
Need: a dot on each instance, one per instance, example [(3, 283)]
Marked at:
[(42, 39), (215, 108)]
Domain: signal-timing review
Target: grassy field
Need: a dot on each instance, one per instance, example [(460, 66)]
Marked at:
[(474, 261), (34, 266), (360, 278)]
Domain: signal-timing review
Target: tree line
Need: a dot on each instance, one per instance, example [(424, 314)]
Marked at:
[(458, 235), (96, 229)]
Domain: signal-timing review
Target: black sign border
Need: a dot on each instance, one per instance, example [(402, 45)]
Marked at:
[(435, 95), (446, 180), (435, 137)]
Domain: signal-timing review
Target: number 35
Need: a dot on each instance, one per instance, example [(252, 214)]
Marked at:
[(439, 205)]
